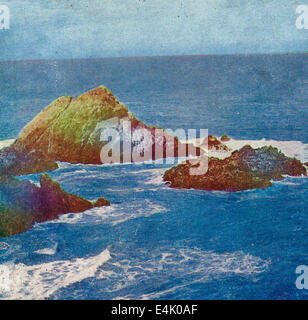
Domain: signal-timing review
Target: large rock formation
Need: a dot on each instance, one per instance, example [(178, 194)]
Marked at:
[(23, 203), (245, 169), (70, 130)]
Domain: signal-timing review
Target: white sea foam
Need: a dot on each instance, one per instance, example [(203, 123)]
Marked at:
[(156, 177), (19, 281), (4, 247), (289, 148), (6, 143), (113, 214), (48, 251), (90, 167), (189, 266), (287, 183), (66, 165)]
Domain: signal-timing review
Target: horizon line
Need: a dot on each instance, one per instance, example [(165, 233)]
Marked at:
[(161, 56)]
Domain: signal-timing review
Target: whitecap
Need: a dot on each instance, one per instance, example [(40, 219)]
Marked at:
[(6, 143), (156, 177), (48, 251), (289, 148), (37, 282), (188, 265), (113, 215), (295, 149), (4, 247)]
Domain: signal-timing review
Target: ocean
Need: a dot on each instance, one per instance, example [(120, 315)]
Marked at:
[(154, 242)]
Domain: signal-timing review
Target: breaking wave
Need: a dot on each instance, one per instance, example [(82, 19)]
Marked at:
[(188, 266), (37, 282), (112, 215)]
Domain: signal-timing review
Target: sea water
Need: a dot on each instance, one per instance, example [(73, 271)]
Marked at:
[(154, 242)]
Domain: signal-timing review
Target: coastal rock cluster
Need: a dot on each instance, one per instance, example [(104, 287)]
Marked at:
[(245, 169), (69, 130)]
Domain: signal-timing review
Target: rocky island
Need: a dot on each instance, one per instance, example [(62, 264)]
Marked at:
[(68, 130), (245, 169), (22, 203)]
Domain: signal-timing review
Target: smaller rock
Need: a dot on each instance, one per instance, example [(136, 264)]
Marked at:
[(214, 144), (224, 138), (22, 203), (101, 202), (245, 169)]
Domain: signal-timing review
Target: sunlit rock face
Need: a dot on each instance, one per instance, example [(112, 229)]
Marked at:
[(71, 130)]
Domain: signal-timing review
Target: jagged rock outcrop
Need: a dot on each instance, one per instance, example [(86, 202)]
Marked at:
[(224, 138), (70, 130), (23, 203), (245, 169), (214, 144)]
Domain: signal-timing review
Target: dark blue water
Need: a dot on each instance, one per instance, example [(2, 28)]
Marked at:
[(155, 242), (247, 97)]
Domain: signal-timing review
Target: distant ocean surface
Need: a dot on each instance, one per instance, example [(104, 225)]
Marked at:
[(155, 242)]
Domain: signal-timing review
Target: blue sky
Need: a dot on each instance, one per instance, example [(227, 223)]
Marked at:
[(116, 28)]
